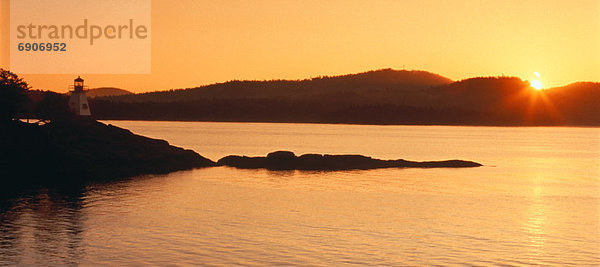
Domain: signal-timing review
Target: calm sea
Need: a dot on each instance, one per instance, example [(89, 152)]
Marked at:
[(536, 201)]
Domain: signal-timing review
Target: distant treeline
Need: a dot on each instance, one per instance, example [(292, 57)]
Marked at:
[(377, 97), (273, 110)]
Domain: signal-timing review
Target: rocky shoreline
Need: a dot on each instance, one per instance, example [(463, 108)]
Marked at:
[(77, 149), (82, 149)]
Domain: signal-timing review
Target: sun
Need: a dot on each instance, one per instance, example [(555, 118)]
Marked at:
[(536, 84)]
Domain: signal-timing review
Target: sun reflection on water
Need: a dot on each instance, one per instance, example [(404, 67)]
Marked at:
[(537, 219)]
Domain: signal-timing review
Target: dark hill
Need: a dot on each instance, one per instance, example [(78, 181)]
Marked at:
[(577, 103), (386, 79), (106, 91), (376, 97)]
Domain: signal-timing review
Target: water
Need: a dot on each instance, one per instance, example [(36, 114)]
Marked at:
[(536, 201)]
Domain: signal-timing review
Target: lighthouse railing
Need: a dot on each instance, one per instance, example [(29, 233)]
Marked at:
[(85, 88)]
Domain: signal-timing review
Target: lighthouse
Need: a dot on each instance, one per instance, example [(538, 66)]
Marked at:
[(78, 103)]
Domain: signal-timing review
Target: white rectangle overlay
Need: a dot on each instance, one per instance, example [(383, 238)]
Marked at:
[(80, 36)]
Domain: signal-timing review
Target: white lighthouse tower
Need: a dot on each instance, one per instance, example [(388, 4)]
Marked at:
[(78, 103)]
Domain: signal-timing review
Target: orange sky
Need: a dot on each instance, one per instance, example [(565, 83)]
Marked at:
[(201, 42)]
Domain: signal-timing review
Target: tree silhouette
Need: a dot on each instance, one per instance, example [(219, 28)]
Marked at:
[(376, 97), (13, 94), (53, 106)]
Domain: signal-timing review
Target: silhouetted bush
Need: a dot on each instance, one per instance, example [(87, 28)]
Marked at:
[(12, 95)]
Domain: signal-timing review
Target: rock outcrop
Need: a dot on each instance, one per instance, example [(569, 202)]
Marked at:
[(286, 160), (80, 149)]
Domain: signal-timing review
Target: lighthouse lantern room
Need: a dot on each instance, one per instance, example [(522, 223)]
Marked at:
[(78, 103)]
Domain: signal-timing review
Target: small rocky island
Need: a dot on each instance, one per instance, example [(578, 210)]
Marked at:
[(286, 160)]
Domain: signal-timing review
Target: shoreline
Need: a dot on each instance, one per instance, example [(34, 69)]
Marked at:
[(83, 149), (365, 124)]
